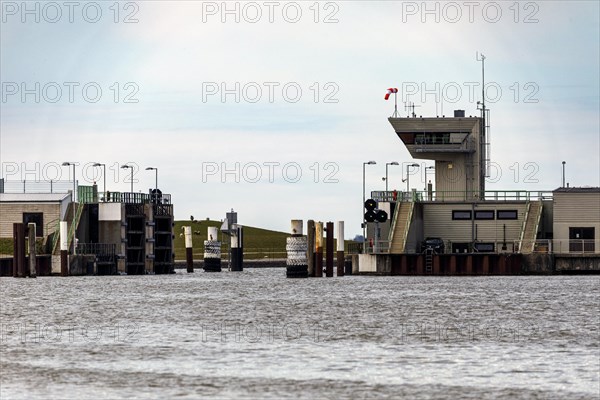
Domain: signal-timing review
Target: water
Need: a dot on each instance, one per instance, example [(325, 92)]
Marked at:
[(257, 334)]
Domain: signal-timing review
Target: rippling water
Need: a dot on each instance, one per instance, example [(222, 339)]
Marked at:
[(257, 334)]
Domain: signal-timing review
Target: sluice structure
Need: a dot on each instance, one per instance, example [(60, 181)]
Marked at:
[(97, 234), (457, 227)]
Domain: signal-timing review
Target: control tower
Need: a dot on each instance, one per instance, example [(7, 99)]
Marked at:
[(458, 146)]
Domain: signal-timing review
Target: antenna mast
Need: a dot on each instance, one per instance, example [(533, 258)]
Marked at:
[(395, 115), (484, 157), (410, 106)]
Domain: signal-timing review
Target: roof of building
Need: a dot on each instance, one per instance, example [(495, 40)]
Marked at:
[(33, 197), (585, 189), (435, 124)]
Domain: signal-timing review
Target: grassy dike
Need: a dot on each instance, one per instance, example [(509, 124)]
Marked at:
[(258, 243)]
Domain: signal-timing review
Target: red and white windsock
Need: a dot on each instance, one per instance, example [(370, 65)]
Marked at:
[(390, 91)]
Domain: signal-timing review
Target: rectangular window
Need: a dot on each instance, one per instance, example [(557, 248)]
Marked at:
[(484, 214), (38, 219), (484, 247), (507, 214), (582, 239), (461, 214)]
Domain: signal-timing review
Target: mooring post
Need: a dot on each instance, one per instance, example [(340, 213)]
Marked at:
[(296, 246), (212, 251), (16, 249), (310, 251), (319, 249), (189, 252), (329, 250), (237, 248), (340, 248), (32, 251), (64, 248), (22, 272)]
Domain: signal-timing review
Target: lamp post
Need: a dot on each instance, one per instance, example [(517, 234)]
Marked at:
[(386, 173), (104, 178), (66, 164), (130, 167), (155, 175), (363, 205), (426, 168), (408, 176), (563, 173)]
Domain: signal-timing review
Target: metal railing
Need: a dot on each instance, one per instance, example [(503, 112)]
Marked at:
[(136, 198), (87, 194), (99, 249), (354, 248), (36, 186), (378, 247), (541, 246), (441, 196), (562, 246)]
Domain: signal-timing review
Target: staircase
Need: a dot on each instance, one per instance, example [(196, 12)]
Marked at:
[(400, 226), (72, 227), (530, 227)]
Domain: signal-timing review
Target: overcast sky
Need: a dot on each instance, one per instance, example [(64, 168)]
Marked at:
[(271, 108)]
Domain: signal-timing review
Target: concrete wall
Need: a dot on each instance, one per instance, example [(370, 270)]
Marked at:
[(536, 263), (578, 263), (377, 264), (109, 212)]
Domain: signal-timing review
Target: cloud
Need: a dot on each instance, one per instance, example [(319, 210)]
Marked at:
[(171, 55)]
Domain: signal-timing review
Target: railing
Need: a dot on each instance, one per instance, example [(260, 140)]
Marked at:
[(87, 194), (35, 186), (137, 198), (541, 246), (378, 247), (524, 225), (99, 249), (427, 143), (441, 196), (562, 246), (407, 226), (51, 227), (354, 248), (78, 210), (396, 196)]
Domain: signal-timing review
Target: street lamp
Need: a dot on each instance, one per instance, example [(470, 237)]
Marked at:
[(408, 176), (426, 168), (104, 177), (130, 167), (363, 204), (563, 173), (386, 173), (155, 175), (66, 164)]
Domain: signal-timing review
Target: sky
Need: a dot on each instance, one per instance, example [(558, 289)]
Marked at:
[(271, 108)]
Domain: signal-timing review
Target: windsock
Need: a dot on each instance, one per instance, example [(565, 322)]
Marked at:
[(390, 91)]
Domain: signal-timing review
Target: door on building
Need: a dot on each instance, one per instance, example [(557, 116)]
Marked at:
[(582, 240), (38, 219)]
